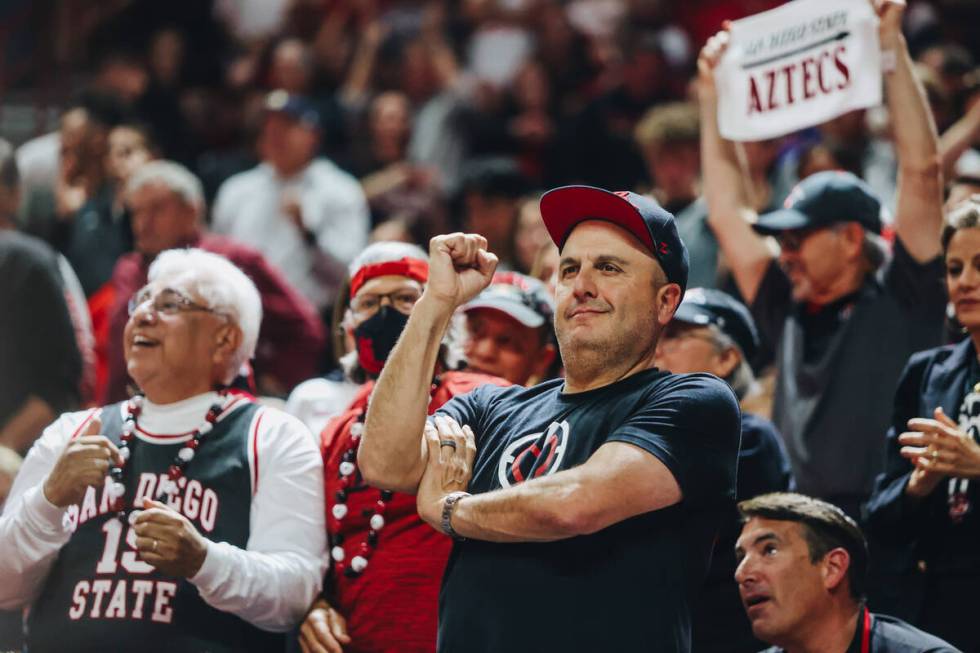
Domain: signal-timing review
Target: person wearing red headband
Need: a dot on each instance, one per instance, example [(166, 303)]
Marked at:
[(386, 564)]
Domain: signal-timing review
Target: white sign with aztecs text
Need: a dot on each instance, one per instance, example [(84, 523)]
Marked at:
[(798, 65)]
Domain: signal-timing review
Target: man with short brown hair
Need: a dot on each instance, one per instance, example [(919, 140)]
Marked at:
[(802, 570)]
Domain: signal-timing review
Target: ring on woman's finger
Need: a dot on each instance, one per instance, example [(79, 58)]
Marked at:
[(448, 443), (155, 545)]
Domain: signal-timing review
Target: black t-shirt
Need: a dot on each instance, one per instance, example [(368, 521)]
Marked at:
[(628, 587), (38, 351), (838, 369), (891, 635)]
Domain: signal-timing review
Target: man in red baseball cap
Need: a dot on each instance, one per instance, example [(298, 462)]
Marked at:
[(570, 498)]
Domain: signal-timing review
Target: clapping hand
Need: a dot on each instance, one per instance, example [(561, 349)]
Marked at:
[(939, 449)]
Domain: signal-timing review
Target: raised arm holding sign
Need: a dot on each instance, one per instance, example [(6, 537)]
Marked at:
[(731, 215), (842, 313)]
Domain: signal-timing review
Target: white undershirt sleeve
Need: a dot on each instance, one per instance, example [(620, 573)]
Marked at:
[(272, 583), (31, 530)]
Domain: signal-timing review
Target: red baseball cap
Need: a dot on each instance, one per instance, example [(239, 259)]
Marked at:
[(563, 208)]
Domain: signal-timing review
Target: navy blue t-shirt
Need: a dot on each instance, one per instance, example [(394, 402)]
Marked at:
[(628, 587)]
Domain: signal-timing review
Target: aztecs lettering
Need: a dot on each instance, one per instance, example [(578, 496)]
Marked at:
[(196, 502), (783, 85)]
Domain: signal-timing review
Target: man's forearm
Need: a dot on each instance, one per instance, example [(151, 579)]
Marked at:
[(542, 510), (918, 215), (390, 454)]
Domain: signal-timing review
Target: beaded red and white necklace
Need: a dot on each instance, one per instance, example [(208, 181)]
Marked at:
[(347, 473), (117, 487), (348, 477)]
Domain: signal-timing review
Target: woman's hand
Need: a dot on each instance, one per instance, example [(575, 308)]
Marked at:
[(939, 449)]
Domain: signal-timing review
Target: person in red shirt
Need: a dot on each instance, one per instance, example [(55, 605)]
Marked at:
[(167, 206), (386, 564)]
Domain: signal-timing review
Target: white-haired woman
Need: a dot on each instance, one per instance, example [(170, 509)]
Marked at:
[(381, 592), (187, 518)]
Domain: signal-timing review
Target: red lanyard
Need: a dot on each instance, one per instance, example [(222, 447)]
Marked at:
[(866, 632)]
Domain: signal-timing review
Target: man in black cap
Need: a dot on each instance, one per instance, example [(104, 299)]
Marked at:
[(713, 332), (593, 500), (510, 330), (307, 217), (843, 312)]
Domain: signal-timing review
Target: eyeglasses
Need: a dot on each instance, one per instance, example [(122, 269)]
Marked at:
[(792, 240), (368, 304), (166, 302)]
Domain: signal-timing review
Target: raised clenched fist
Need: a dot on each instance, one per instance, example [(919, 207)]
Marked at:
[(459, 268)]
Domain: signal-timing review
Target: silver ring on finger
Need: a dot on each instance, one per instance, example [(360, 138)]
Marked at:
[(155, 542), (448, 443)]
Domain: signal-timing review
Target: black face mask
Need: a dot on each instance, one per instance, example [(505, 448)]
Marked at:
[(376, 337)]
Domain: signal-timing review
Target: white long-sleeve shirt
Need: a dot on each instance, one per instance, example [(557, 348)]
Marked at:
[(249, 208), (270, 583)]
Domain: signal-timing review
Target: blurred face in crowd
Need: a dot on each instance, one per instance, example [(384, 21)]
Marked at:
[(963, 276), (390, 122), (83, 144), (127, 152), (531, 87), (821, 263), (644, 73), (686, 348), (167, 56), (818, 158), (417, 78), (498, 344), (675, 169), (176, 346), (161, 219), (290, 67), (491, 217), (612, 297), (124, 77), (9, 203), (287, 144), (531, 235)]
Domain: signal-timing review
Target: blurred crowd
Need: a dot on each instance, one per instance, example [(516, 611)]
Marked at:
[(310, 140)]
